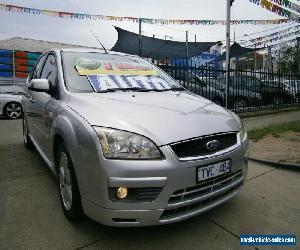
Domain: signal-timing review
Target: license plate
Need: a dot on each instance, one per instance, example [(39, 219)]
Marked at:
[(213, 170)]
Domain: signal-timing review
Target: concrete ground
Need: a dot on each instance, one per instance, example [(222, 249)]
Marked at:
[(31, 217), (266, 120)]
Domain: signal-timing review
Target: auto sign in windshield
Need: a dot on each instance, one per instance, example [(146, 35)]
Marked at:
[(96, 72)]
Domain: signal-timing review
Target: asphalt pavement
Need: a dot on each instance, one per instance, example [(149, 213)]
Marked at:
[(31, 217)]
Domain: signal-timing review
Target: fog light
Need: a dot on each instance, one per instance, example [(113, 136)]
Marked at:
[(122, 192)]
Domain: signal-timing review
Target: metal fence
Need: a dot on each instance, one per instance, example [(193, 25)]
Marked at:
[(249, 90)]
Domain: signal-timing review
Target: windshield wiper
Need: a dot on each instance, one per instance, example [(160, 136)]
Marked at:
[(127, 89), (173, 88), (177, 88), (123, 89)]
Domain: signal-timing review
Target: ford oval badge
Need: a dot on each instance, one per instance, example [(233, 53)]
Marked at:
[(213, 145)]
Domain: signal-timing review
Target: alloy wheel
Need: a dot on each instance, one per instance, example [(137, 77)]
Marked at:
[(277, 100), (13, 110), (65, 181), (239, 103)]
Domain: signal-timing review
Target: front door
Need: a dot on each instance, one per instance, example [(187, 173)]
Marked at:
[(45, 104)]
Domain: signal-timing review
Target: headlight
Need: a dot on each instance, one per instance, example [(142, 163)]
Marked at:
[(118, 144), (243, 132)]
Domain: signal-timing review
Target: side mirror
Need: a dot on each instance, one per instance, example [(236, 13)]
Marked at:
[(39, 85)]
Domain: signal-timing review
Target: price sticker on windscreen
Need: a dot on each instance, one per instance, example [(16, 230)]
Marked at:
[(104, 82)]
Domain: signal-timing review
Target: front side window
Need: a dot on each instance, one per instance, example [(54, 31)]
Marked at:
[(98, 72), (37, 69), (50, 70)]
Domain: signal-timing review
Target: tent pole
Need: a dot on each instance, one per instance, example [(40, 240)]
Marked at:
[(187, 43), (227, 50), (187, 54), (140, 37), (14, 66), (298, 53), (255, 58)]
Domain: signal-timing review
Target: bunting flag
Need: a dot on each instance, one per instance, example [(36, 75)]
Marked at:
[(271, 36), (283, 8), (288, 4), (80, 16), (268, 41)]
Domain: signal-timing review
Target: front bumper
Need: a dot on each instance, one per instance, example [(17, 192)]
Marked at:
[(181, 197)]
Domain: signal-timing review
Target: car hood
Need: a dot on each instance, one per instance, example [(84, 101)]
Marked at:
[(164, 117)]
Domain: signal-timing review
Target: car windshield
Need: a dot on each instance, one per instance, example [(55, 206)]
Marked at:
[(87, 72), (11, 89)]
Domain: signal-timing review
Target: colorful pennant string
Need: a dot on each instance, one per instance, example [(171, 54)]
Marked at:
[(80, 16), (283, 8)]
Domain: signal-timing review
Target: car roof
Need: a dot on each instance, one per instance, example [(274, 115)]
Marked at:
[(91, 50)]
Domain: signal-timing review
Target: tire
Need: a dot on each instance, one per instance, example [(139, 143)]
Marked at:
[(277, 100), (26, 139), (239, 102), (13, 110), (67, 185)]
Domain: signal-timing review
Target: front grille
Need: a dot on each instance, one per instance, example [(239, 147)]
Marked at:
[(204, 188), (148, 194), (197, 147)]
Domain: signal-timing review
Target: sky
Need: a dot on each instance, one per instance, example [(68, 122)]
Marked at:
[(79, 31)]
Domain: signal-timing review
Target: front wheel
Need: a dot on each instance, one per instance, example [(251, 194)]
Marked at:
[(278, 100), (67, 184), (239, 102), (13, 110)]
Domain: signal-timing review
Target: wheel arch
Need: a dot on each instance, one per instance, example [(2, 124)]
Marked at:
[(66, 136)]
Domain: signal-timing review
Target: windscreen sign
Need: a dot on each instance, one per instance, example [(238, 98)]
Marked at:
[(104, 75)]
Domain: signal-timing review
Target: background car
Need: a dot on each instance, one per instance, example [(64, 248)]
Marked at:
[(271, 92), (293, 87), (238, 97), (198, 86), (10, 101)]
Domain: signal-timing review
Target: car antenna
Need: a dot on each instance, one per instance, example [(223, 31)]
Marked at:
[(99, 41)]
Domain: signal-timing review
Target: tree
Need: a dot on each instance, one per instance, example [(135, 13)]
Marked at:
[(289, 61)]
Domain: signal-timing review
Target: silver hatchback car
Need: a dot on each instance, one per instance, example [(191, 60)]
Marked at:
[(129, 145)]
